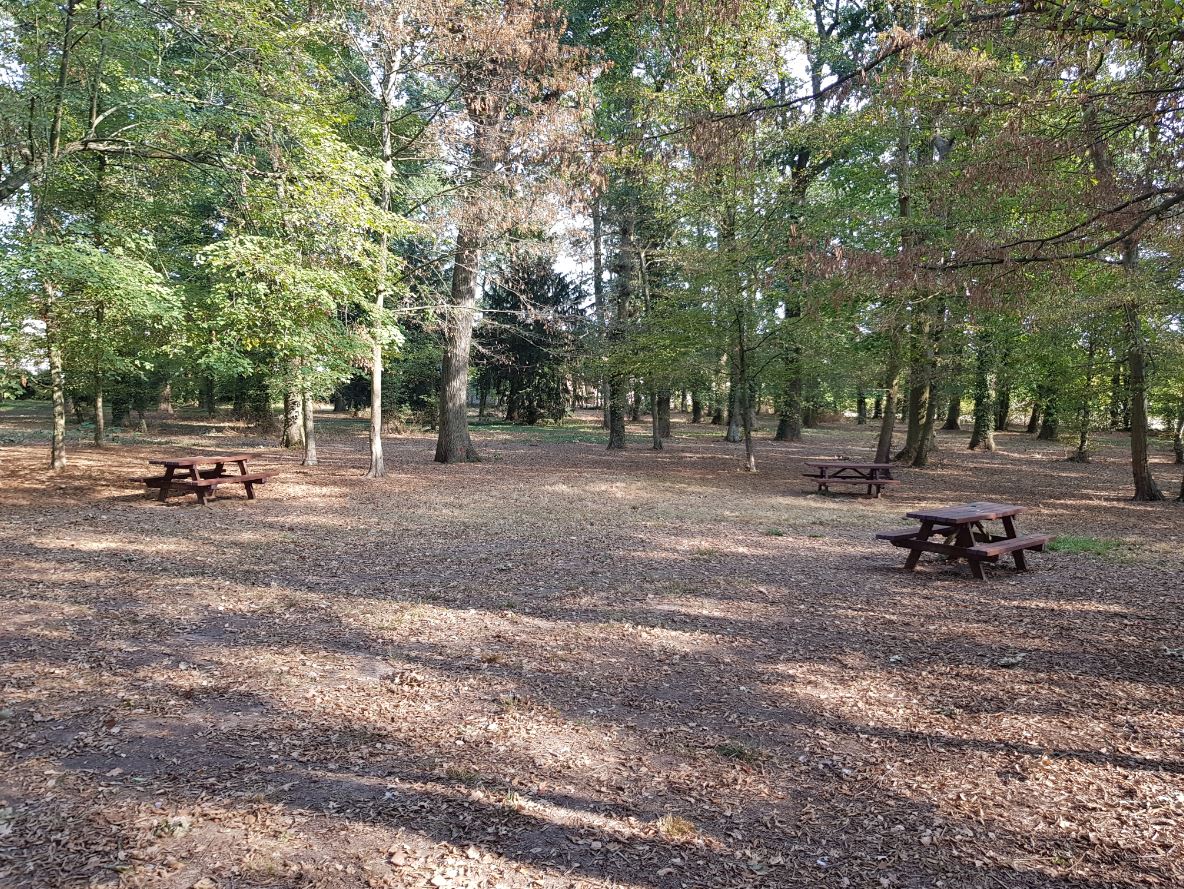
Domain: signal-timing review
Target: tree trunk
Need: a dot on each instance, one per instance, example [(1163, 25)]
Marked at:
[(878, 408), (1145, 487), (888, 408), (1050, 422), (618, 380), (655, 422), (635, 407), (310, 438), (208, 398), (734, 419), (1002, 409), (57, 446), (1034, 420), (165, 403), (953, 421), (696, 408), (861, 409), (100, 428), (789, 417), (1178, 435), (927, 440), (1084, 414), (292, 435), (453, 444), (982, 436), (661, 403)]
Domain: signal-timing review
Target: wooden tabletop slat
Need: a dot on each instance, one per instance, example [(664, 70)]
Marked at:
[(198, 461), (967, 513)]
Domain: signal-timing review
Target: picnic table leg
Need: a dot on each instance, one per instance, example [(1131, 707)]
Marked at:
[(915, 554), (250, 486), (1021, 564), (165, 483), (976, 568), (1009, 527)]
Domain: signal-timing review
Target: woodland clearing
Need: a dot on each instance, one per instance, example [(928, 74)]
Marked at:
[(570, 667)]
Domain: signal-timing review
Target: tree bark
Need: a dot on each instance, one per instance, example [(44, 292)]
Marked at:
[(618, 379), (1034, 420), (1145, 487), (292, 435), (1050, 422), (655, 422), (57, 446), (310, 438), (696, 408), (888, 413), (953, 421), (661, 403), (1084, 414)]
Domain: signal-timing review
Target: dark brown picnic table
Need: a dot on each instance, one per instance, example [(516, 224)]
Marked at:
[(848, 472), (193, 479), (965, 535)]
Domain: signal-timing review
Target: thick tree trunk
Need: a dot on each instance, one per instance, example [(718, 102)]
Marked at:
[(888, 412), (789, 416), (734, 418), (1050, 421), (292, 435), (1034, 420), (861, 409), (635, 406), (453, 444), (927, 440), (878, 408), (696, 408), (661, 402), (953, 421), (1002, 409)]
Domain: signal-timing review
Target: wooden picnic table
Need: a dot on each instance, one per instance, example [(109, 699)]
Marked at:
[(194, 479), (965, 535), (849, 472)]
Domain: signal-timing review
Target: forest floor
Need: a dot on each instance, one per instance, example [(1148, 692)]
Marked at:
[(568, 667)]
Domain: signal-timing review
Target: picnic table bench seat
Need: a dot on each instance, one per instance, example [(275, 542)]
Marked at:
[(1003, 546)]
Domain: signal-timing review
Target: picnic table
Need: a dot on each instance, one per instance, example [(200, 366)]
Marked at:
[(848, 472), (193, 479), (965, 535)]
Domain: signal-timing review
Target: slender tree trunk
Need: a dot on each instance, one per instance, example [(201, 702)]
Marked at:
[(57, 447), (655, 422), (100, 426), (1084, 414), (618, 380), (598, 297), (1145, 487), (1178, 435), (927, 440), (310, 438), (387, 95)]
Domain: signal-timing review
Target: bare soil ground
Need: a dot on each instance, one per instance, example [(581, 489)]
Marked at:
[(565, 667)]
